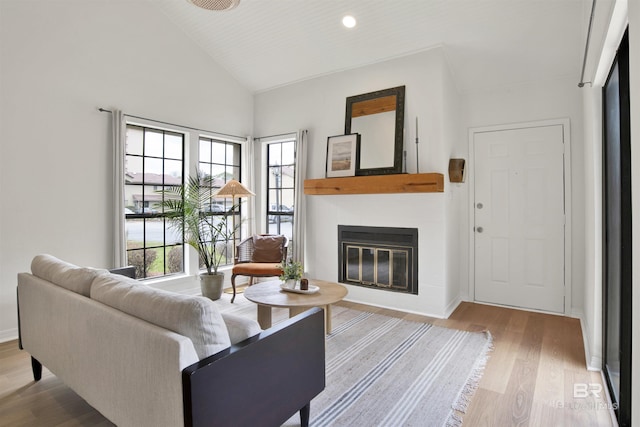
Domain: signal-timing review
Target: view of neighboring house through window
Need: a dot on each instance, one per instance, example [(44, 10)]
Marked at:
[(280, 194), (221, 160), (153, 162)]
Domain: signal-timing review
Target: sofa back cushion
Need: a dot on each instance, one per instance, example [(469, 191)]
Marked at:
[(64, 274), (194, 317)]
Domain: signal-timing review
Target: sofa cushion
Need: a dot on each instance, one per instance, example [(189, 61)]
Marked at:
[(192, 316), (267, 249), (240, 328), (64, 274)]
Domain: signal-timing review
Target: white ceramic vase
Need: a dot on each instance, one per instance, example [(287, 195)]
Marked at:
[(291, 283)]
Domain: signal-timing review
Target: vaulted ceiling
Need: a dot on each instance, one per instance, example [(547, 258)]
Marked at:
[(487, 43)]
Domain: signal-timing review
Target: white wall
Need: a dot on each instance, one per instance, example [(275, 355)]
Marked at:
[(319, 105), (59, 62), (541, 101), (456, 196)]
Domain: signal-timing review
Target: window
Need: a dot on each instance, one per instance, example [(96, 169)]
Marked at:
[(220, 160), (152, 157), (280, 191), (153, 162)]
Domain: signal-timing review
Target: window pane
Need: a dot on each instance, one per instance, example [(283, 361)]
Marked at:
[(288, 180), (275, 198), (232, 172), (134, 229), (172, 235), (280, 195), (205, 150), (173, 172), (153, 247), (153, 143), (287, 198), (275, 177), (154, 262), (288, 151), (173, 145), (132, 168), (153, 171), (218, 152), (136, 259), (275, 154), (233, 154), (221, 168), (218, 173), (175, 262), (134, 140)]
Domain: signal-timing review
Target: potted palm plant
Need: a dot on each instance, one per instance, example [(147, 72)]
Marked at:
[(188, 213)]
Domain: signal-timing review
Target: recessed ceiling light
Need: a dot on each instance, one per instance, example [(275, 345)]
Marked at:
[(216, 4), (349, 21)]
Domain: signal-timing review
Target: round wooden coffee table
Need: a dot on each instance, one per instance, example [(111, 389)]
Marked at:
[(269, 294)]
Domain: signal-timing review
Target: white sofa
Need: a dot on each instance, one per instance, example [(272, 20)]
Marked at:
[(146, 357)]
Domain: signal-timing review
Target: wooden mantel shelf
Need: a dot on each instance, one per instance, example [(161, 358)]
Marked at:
[(376, 184)]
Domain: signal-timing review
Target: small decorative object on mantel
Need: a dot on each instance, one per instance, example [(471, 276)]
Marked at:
[(342, 155), (291, 273), (456, 170), (417, 141)]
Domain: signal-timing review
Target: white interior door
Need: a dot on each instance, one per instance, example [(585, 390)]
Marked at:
[(519, 217)]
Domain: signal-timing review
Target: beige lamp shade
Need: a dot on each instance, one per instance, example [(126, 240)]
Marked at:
[(234, 189)]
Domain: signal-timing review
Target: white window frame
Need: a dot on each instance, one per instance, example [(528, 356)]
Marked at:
[(181, 281)]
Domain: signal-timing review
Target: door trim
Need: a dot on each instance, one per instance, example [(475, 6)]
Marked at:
[(566, 134)]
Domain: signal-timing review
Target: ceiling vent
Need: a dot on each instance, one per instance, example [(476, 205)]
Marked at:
[(216, 4)]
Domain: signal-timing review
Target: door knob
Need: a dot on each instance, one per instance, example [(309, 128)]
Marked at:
[(479, 229), (479, 205)]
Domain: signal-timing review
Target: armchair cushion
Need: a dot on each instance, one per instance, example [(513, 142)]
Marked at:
[(267, 249), (192, 316), (240, 328), (257, 269)]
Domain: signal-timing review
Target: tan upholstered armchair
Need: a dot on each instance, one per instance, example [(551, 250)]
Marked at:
[(259, 256)]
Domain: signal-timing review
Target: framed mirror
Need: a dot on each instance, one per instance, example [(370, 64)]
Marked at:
[(379, 119)]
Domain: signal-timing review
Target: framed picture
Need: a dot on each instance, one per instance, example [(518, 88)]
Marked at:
[(342, 155)]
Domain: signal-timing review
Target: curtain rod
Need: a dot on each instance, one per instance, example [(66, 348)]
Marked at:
[(103, 110), (586, 46), (291, 134)]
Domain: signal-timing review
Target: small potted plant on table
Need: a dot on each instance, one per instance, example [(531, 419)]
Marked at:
[(291, 273)]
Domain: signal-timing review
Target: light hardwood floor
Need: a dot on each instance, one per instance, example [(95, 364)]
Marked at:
[(529, 379)]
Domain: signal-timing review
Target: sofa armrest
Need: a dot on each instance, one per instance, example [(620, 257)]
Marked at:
[(263, 380), (240, 328)]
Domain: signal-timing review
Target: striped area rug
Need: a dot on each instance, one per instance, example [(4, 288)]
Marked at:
[(384, 371)]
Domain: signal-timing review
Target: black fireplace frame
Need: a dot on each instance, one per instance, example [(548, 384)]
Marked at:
[(379, 237)]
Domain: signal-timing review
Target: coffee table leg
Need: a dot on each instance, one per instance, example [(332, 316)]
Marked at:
[(294, 311), (264, 316), (327, 315)]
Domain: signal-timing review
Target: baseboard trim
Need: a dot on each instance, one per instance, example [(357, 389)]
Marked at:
[(452, 307), (421, 313), (9, 335), (594, 363)]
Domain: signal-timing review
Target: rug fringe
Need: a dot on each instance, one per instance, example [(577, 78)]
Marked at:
[(461, 404)]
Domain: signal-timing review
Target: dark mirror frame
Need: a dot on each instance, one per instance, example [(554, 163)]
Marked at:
[(399, 131)]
